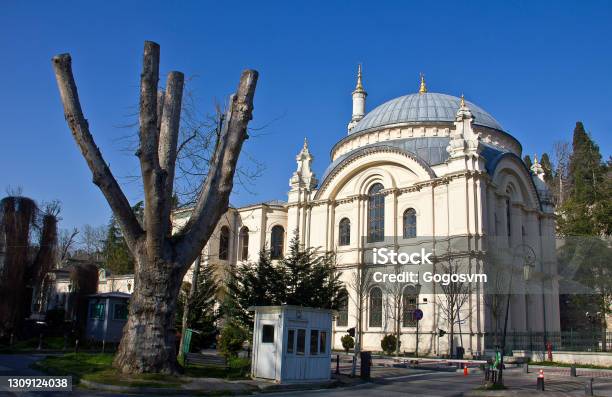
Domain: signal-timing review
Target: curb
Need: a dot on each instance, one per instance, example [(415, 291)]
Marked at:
[(130, 389)]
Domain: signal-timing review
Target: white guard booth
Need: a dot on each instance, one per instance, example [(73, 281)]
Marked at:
[(291, 343)]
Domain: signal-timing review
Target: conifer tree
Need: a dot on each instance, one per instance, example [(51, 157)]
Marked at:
[(548, 170), (583, 212), (310, 279), (302, 278), (117, 256), (527, 161), (202, 315)]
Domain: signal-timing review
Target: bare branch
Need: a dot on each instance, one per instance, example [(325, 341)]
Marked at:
[(102, 176), (214, 196), (168, 139)]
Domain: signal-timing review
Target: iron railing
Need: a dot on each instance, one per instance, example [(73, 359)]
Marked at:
[(582, 341)]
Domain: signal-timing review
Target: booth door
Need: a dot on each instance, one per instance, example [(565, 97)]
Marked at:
[(266, 355)]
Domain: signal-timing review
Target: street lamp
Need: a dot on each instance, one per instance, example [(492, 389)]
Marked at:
[(527, 254)]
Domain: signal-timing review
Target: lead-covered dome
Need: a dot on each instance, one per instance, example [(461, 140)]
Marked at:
[(422, 108)]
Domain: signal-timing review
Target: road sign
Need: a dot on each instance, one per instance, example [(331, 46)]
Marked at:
[(418, 314)]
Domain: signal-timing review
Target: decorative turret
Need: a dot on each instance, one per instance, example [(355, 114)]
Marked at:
[(463, 139), (303, 177), (537, 169), (359, 98), (537, 175)]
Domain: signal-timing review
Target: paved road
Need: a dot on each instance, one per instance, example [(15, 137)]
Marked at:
[(443, 384), (387, 382)]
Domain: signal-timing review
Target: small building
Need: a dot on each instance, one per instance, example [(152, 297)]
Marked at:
[(291, 343), (106, 316)]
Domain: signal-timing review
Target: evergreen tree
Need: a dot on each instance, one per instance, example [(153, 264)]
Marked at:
[(548, 170), (527, 161), (584, 211), (302, 278), (117, 256), (202, 314), (310, 279), (256, 284)]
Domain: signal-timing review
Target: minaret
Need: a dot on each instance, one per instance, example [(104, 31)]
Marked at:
[(359, 98)]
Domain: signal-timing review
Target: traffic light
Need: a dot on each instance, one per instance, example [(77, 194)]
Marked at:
[(441, 332), (351, 332)]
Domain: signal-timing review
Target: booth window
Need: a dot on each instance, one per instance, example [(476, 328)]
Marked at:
[(267, 334), (120, 311), (376, 214), (314, 340), (301, 341), (290, 341), (323, 342), (97, 310), (224, 243)]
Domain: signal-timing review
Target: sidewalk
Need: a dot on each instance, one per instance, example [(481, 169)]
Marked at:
[(217, 386)]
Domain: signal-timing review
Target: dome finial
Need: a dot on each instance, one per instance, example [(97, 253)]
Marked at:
[(359, 86), (462, 100), (423, 87)]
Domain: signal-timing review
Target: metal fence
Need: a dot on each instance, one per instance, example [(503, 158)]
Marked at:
[(580, 341)]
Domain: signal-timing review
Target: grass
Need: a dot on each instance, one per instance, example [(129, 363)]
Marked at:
[(239, 368), (557, 364), (98, 368)]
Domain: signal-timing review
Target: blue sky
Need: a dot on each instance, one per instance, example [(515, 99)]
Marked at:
[(537, 67)]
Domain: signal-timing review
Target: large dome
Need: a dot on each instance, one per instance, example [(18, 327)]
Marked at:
[(420, 108)]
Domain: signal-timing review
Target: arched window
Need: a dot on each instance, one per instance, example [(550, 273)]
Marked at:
[(277, 242), (224, 243), (409, 305), (344, 232), (375, 311), (244, 243), (508, 223), (343, 298), (376, 214), (410, 223)]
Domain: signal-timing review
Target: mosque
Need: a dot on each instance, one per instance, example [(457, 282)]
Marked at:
[(421, 170)]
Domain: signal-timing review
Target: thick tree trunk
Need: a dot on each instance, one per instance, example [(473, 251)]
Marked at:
[(149, 337)]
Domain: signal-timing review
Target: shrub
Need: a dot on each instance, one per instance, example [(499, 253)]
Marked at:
[(389, 344), (231, 339), (347, 342)]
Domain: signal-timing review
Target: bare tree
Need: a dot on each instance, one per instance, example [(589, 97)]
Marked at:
[(92, 241), (66, 243), (162, 258), (496, 290), (453, 296), (359, 284), (561, 152)]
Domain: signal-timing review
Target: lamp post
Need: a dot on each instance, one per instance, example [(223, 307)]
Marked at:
[(528, 256), (418, 297)]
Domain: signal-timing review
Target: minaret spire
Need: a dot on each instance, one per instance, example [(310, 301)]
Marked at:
[(423, 87), (359, 86), (359, 97)]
